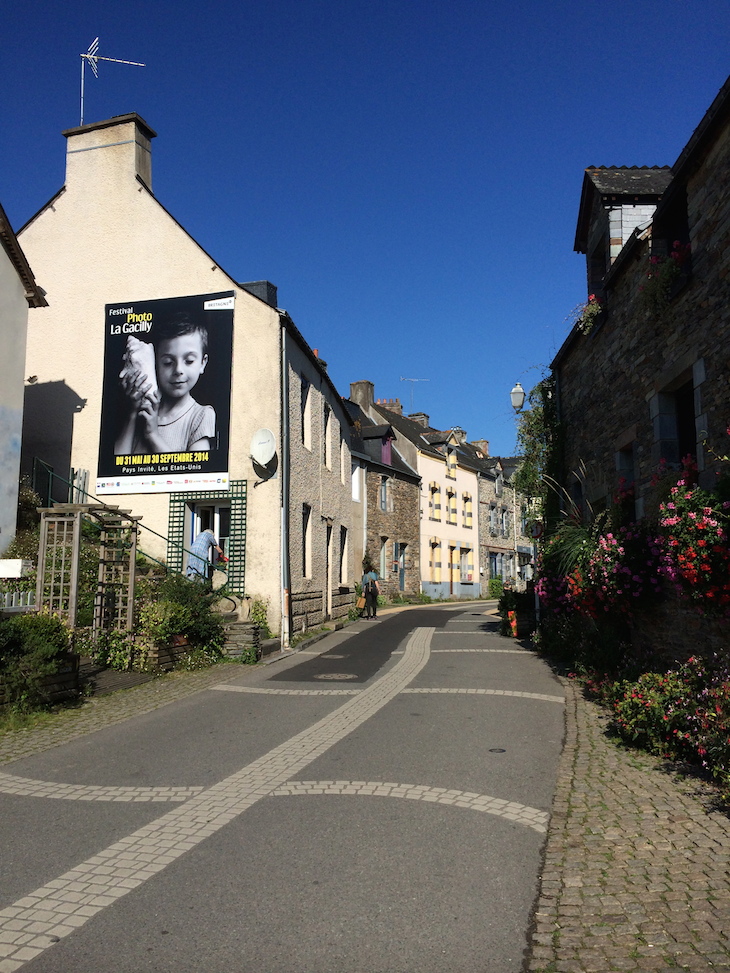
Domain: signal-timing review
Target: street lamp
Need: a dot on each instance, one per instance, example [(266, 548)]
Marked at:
[(517, 395)]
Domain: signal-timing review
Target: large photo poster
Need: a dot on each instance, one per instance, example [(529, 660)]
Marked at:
[(166, 396)]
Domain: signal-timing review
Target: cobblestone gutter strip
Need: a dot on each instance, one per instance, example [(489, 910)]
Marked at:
[(636, 869), (101, 711)]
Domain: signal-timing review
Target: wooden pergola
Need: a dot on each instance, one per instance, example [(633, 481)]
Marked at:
[(57, 587)]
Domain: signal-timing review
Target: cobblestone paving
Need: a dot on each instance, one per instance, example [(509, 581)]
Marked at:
[(636, 868)]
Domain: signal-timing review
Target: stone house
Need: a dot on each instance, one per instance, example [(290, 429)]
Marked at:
[(648, 383), (505, 548), (386, 492), (268, 465), (448, 509), (18, 292)]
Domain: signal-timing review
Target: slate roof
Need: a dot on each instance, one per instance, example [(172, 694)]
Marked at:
[(366, 437), (425, 438), (632, 183), (411, 430), (34, 295)]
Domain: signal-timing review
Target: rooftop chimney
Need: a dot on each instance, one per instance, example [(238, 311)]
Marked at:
[(119, 146), (482, 445), (392, 405), (421, 418), (362, 393), (262, 289)]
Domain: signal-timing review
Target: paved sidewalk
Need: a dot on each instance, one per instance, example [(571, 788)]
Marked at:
[(101, 711), (636, 866)]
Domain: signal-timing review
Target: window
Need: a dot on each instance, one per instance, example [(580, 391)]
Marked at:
[(306, 540), (383, 493), (356, 481), (466, 565), (383, 566), (451, 463), (343, 460), (326, 450), (505, 523), (450, 507), (343, 555), (467, 510), (493, 520), (306, 412), (435, 502), (674, 419), (625, 468), (386, 453), (435, 561)]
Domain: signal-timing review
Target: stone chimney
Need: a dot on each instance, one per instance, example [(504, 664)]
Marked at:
[(263, 289), (112, 150), (363, 394), (460, 434), (392, 405), (421, 418), (482, 445)]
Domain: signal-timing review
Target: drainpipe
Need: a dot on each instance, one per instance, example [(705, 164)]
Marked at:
[(285, 464), (515, 566)]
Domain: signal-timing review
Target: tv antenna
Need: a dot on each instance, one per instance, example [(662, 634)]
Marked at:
[(412, 380), (92, 57)]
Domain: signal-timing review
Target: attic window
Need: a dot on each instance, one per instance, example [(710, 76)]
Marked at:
[(386, 452), (451, 463)]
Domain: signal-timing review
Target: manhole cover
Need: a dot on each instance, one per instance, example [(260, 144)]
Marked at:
[(336, 675)]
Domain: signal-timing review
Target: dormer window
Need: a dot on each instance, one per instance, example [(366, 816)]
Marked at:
[(451, 463), (386, 450)]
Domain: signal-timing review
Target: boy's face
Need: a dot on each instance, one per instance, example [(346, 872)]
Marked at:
[(180, 363)]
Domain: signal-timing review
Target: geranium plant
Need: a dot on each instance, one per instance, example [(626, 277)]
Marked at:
[(663, 271), (696, 556)]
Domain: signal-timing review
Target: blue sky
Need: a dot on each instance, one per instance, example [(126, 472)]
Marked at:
[(406, 172)]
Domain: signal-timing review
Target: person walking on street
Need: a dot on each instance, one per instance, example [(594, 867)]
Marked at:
[(371, 590)]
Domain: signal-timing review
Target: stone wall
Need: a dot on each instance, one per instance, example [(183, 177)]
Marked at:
[(672, 632), (400, 524), (651, 381), (617, 384)]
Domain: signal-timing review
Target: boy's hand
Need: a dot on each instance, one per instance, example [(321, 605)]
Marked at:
[(137, 387), (148, 409)]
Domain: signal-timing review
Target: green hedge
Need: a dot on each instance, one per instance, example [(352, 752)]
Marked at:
[(32, 647)]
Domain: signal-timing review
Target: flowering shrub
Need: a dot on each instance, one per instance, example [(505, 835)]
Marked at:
[(614, 572), (696, 552), (681, 714), (585, 315), (663, 271)]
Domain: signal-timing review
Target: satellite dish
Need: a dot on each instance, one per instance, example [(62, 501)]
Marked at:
[(263, 447)]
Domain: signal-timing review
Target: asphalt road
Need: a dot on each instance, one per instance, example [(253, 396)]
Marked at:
[(377, 804)]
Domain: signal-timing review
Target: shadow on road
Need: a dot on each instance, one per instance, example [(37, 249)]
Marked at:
[(359, 657)]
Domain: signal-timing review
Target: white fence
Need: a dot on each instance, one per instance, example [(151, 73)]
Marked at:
[(17, 601)]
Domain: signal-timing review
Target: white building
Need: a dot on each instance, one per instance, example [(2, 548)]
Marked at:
[(116, 263), (18, 292)]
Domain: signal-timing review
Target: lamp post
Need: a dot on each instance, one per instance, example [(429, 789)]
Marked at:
[(517, 397)]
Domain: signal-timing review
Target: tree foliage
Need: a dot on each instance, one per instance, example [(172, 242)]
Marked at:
[(537, 442)]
